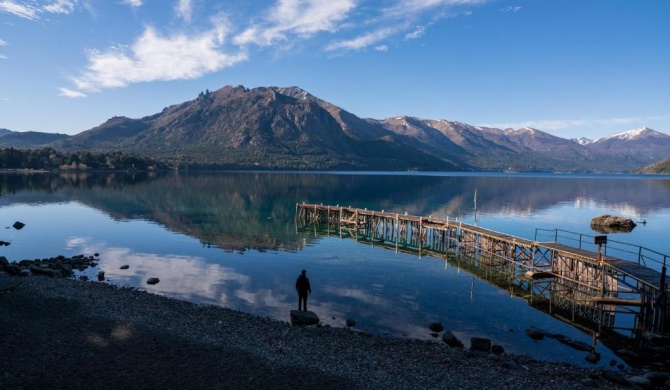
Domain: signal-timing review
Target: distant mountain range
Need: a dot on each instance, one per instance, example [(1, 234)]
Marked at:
[(287, 128)]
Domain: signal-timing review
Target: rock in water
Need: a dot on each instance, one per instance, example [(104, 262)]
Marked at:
[(18, 225), (612, 224), (304, 317), (436, 326), (153, 281)]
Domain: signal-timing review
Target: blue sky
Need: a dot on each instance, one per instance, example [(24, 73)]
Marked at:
[(570, 67)]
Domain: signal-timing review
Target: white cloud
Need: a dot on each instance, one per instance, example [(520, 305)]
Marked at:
[(32, 12), (412, 7), (2, 56), (67, 92), (133, 3), (303, 18), (184, 10), (21, 10), (362, 41), (399, 18), (418, 33), (382, 48), (153, 57), (511, 9), (60, 6)]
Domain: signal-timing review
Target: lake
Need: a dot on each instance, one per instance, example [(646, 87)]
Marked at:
[(230, 239)]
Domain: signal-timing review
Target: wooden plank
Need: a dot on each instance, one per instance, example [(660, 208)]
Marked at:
[(615, 301)]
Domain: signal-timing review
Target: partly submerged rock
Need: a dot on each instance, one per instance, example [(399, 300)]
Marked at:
[(436, 326), (451, 340), (612, 224), (304, 317), (153, 281)]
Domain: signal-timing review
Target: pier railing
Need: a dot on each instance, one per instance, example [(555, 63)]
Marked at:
[(639, 254)]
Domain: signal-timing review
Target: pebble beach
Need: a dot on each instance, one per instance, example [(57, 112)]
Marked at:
[(64, 333)]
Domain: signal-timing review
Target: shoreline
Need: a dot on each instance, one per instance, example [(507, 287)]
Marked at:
[(67, 333)]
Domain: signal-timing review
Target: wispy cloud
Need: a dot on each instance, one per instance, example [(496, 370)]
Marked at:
[(401, 18), (60, 6), (362, 41), (31, 10), (511, 9), (184, 10), (417, 33), (569, 123), (133, 3), (19, 9), (382, 48), (153, 57), (67, 92), (3, 43), (302, 18), (411, 7)]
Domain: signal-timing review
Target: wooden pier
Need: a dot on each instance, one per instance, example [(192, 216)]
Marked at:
[(586, 285)]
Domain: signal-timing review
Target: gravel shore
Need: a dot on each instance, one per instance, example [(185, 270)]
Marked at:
[(63, 333)]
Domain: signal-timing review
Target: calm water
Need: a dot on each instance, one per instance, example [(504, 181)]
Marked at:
[(230, 239)]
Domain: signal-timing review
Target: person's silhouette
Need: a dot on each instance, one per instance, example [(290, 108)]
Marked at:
[(304, 289)]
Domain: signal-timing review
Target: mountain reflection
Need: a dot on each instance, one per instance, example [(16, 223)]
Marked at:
[(256, 210)]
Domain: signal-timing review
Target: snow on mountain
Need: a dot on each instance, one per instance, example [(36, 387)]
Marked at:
[(630, 135), (582, 140)]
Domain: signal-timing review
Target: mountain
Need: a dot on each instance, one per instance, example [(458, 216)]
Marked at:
[(28, 139), (661, 167), (288, 128), (272, 128), (645, 144)]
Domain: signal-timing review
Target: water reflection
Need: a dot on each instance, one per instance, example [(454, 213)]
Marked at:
[(237, 211), (230, 239)]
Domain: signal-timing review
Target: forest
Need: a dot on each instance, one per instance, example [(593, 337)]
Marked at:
[(50, 159)]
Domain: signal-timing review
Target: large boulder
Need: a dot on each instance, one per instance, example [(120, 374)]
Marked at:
[(451, 340), (612, 224), (304, 317), (480, 344)]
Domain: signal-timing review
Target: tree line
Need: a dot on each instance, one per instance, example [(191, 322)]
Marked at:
[(50, 159)]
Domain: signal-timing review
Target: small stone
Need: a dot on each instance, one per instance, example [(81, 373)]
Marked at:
[(436, 326), (497, 349), (350, 323), (101, 276), (18, 225), (126, 266), (25, 273), (592, 357), (153, 281), (640, 381)]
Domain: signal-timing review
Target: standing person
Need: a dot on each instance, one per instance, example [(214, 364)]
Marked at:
[(304, 289)]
